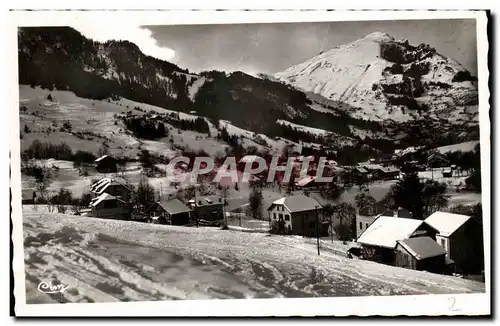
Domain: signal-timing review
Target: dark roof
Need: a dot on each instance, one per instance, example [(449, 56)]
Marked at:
[(297, 203), (400, 212), (361, 169), (376, 209), (422, 247), (174, 206)]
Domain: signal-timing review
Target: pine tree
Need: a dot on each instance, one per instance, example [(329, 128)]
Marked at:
[(255, 203)]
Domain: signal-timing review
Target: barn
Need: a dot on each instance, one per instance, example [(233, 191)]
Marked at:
[(106, 164), (172, 212)]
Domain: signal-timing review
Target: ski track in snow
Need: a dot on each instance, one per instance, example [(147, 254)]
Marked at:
[(107, 260)]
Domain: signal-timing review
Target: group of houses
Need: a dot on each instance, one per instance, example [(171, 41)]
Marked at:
[(374, 171), (442, 243), (112, 199)]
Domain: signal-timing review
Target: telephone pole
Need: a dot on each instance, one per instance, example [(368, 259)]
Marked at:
[(331, 227), (317, 228)]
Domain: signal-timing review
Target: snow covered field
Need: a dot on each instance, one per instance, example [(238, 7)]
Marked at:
[(107, 260), (467, 146)]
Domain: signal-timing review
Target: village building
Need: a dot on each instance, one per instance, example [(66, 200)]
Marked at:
[(366, 215), (437, 161), (461, 237), (420, 253), (28, 196), (112, 187), (172, 212), (379, 240), (309, 183), (300, 215), (386, 173), (208, 208), (360, 173), (106, 164), (387, 159), (109, 206)]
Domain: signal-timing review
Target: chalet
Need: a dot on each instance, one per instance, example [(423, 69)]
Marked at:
[(106, 164), (172, 212), (109, 206), (386, 173), (112, 187), (365, 216), (300, 214), (28, 196), (208, 208), (461, 237), (420, 253), (308, 183), (379, 240)]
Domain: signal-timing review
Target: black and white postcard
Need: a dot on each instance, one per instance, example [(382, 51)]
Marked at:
[(244, 163)]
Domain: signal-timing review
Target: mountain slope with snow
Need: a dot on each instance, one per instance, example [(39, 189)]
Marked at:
[(388, 79)]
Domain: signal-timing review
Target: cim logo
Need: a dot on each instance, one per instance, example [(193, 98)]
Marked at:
[(50, 288)]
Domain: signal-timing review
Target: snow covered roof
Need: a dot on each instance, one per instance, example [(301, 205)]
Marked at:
[(208, 200), (446, 223), (105, 196), (100, 186), (249, 158), (96, 187), (305, 181), (371, 166), (297, 203), (385, 231), (422, 247), (388, 169), (102, 158), (408, 150)]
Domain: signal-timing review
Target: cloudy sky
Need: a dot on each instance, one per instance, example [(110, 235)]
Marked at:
[(271, 48)]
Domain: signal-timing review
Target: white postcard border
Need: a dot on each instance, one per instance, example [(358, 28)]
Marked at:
[(450, 304)]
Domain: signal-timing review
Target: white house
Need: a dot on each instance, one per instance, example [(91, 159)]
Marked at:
[(299, 214)]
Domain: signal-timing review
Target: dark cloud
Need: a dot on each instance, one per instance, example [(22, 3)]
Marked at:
[(271, 48)]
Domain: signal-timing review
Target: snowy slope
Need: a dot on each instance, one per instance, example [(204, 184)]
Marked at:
[(366, 75), (464, 147), (108, 260)]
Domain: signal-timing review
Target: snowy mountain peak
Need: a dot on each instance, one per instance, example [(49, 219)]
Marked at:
[(379, 37), (386, 79)]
